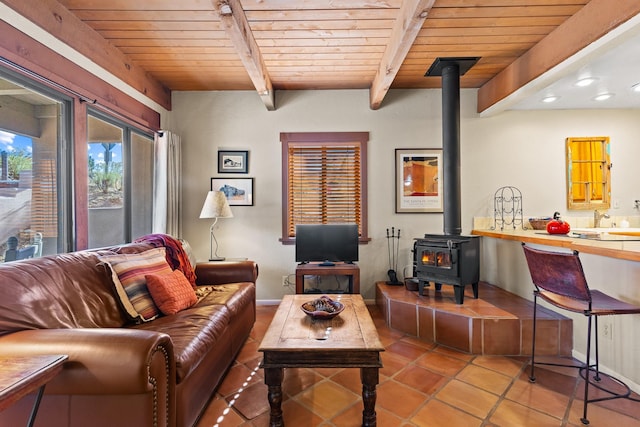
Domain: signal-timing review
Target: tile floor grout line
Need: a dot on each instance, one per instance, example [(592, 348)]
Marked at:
[(454, 378), (487, 420)]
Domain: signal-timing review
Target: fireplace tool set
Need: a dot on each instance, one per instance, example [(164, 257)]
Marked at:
[(393, 242)]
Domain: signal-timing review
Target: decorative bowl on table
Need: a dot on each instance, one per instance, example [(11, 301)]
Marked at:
[(322, 308)]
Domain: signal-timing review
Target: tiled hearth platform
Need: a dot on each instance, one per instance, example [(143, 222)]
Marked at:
[(497, 323)]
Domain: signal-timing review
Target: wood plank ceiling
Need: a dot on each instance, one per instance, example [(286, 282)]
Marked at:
[(268, 45)]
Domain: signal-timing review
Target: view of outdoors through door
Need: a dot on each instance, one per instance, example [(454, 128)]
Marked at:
[(106, 183), (30, 136), (120, 171), (36, 195)]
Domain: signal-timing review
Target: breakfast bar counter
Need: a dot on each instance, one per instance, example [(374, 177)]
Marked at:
[(619, 249)]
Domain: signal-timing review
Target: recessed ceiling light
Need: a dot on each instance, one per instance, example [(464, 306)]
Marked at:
[(550, 98), (636, 87), (603, 97), (586, 81)]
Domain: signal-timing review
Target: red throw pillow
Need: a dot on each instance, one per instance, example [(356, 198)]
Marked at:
[(171, 292)]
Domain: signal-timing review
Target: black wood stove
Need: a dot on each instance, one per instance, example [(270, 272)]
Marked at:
[(452, 260), (449, 258)]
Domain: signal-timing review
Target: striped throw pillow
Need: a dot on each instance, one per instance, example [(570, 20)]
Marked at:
[(128, 272)]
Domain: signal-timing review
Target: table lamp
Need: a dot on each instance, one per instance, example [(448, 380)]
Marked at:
[(215, 206)]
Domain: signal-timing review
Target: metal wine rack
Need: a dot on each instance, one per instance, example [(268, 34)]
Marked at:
[(507, 208)]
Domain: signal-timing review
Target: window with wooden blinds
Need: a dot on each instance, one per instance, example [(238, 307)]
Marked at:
[(324, 180)]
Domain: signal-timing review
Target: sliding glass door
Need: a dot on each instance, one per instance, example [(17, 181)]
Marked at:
[(35, 207), (120, 173)]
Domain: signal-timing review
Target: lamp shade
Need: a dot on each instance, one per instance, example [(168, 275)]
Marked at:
[(216, 206)]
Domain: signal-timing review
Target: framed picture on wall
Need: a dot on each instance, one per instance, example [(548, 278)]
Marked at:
[(239, 191), (233, 161), (418, 180)]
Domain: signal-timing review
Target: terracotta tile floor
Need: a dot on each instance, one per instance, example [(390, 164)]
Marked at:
[(421, 384)]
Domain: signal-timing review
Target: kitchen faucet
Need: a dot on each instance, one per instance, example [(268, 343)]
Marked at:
[(597, 216)]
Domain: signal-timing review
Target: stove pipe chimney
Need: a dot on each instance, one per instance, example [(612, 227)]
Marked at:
[(451, 69)]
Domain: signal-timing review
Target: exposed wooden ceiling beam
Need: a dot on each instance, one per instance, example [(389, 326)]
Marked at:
[(405, 30), (596, 19), (235, 24)]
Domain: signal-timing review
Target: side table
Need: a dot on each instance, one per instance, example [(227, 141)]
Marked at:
[(338, 269), (21, 375)]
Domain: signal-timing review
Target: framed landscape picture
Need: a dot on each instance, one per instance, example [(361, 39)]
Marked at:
[(418, 180), (233, 161), (239, 191)]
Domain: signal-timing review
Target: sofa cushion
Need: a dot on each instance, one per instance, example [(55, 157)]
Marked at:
[(128, 274), (194, 332), (233, 295), (171, 292), (68, 290), (198, 329)]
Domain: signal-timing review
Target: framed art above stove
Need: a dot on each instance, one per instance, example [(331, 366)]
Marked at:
[(418, 180)]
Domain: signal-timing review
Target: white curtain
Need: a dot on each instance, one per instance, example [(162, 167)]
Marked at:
[(167, 197)]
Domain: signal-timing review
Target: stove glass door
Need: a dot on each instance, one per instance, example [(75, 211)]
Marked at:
[(438, 258)]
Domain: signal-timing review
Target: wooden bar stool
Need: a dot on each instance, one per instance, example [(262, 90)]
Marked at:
[(559, 279)]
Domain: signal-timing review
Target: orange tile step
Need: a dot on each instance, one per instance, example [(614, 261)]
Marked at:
[(497, 323)]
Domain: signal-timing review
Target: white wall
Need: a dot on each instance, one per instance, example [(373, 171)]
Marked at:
[(526, 149), (209, 121), (520, 148)]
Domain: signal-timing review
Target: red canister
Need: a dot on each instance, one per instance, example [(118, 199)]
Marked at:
[(557, 226)]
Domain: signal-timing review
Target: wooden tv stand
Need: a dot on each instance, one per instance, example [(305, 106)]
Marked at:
[(338, 269)]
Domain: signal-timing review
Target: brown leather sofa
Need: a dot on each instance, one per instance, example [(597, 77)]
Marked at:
[(119, 373)]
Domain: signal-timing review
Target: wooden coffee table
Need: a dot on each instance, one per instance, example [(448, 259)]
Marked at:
[(295, 340)]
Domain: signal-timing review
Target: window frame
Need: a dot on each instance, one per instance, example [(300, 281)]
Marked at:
[(83, 89), (128, 163), (590, 166), (64, 161), (329, 139)]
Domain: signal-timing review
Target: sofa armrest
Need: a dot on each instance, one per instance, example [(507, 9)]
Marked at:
[(220, 273), (102, 360)]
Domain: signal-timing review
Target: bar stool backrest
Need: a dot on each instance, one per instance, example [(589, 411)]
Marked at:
[(558, 272)]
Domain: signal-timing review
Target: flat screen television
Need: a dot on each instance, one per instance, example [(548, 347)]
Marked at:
[(326, 243)]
